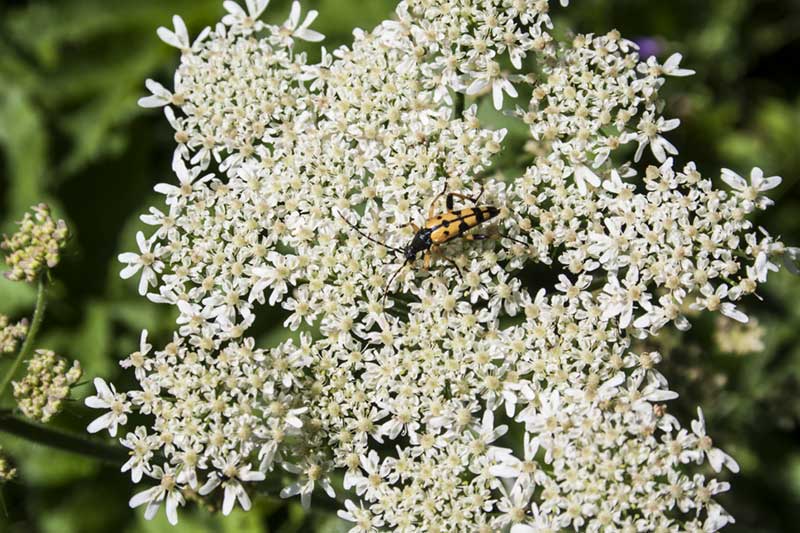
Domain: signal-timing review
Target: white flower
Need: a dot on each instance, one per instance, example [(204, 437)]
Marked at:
[(138, 359), (167, 490), (245, 19), (649, 133), (527, 470), (188, 183), (107, 398), (311, 473), (545, 419), (231, 475), (716, 457), (364, 521), (512, 506), (179, 38), (751, 192), (541, 522), (713, 300), (161, 95), (364, 484), (584, 174), (671, 66), (146, 261), (293, 28), (141, 445), (717, 516), (279, 274), (620, 299), (642, 399), (492, 77)]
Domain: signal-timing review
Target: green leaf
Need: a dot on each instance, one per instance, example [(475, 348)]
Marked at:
[(189, 521), (39, 465), (142, 314), (330, 523), (80, 511), (18, 298), (295, 520), (240, 521), (338, 18), (24, 140), (46, 30), (92, 343)]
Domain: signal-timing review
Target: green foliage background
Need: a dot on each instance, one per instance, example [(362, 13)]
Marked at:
[(71, 134)]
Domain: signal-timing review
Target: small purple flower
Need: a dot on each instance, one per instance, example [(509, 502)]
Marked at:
[(649, 46)]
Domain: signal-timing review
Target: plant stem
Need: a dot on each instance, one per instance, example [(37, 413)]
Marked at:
[(27, 346), (459, 105), (59, 439)]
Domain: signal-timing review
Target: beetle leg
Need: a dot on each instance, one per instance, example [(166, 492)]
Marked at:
[(428, 256), (432, 208), (413, 226), (474, 200), (458, 269)]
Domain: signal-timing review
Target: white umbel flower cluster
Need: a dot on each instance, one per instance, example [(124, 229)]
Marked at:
[(465, 397)]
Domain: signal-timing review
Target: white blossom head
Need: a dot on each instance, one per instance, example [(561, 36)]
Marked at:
[(422, 363)]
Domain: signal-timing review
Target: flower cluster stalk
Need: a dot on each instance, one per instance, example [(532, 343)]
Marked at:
[(30, 339)]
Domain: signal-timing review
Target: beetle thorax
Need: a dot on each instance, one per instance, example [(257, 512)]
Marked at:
[(420, 243)]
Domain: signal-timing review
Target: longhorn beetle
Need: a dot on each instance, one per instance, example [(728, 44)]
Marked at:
[(439, 229)]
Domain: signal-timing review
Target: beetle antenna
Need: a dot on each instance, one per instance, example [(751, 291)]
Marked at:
[(376, 241), (515, 240), (518, 227)]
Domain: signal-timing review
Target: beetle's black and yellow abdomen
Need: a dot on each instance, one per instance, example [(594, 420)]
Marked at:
[(438, 230), (454, 224)]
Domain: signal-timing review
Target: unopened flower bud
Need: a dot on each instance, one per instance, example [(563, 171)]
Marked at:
[(11, 334), (40, 393), (7, 472), (36, 246)]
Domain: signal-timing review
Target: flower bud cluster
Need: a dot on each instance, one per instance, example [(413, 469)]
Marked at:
[(47, 383), (36, 245), (739, 339), (11, 334), (7, 472)]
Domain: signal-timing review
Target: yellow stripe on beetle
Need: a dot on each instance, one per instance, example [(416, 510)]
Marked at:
[(454, 224)]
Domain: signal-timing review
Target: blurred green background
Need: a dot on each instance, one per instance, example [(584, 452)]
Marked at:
[(71, 134)]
